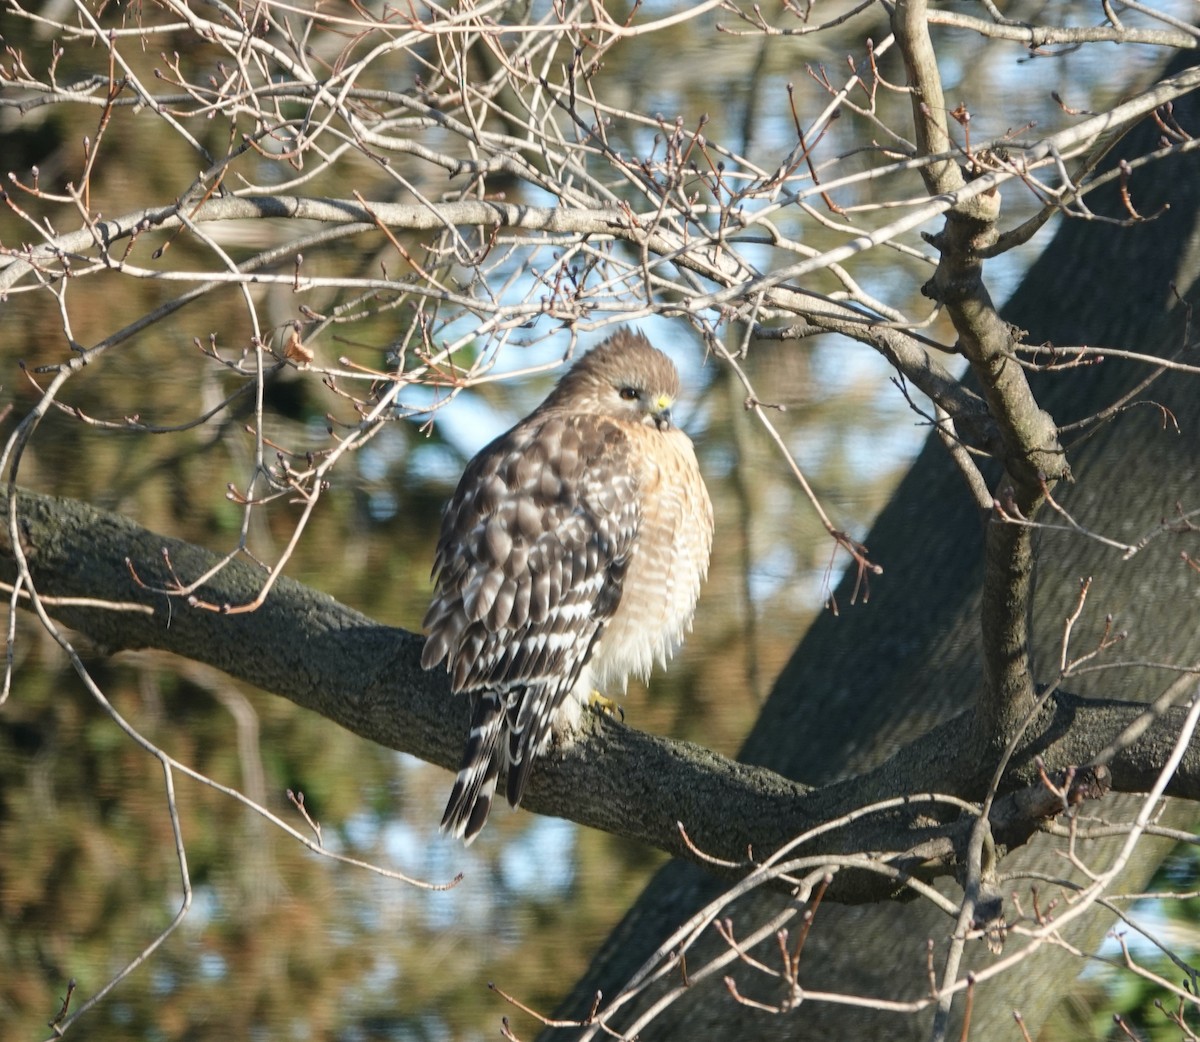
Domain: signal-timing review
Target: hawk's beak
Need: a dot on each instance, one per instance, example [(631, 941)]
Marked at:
[(661, 413)]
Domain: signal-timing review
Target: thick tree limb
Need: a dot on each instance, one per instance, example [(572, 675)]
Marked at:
[(364, 676)]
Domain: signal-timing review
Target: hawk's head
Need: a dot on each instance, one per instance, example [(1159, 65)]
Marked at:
[(625, 378)]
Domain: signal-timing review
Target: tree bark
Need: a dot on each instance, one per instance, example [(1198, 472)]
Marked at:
[(366, 677)]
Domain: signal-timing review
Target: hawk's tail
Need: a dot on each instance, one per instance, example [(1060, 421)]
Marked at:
[(471, 798), (508, 729)]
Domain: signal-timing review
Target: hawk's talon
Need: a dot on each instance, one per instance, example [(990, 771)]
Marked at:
[(598, 703)]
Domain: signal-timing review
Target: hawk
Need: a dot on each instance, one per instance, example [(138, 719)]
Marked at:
[(570, 557)]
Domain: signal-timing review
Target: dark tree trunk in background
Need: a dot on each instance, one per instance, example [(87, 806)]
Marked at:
[(863, 684)]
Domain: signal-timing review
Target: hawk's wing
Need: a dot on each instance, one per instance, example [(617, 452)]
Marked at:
[(530, 565)]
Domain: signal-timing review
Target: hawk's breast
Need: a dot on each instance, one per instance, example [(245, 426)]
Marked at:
[(668, 562)]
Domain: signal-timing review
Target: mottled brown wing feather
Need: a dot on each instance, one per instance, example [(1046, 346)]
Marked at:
[(533, 552)]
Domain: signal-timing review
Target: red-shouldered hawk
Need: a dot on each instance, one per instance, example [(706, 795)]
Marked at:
[(571, 556)]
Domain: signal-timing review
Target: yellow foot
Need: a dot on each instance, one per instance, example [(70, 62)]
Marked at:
[(597, 703)]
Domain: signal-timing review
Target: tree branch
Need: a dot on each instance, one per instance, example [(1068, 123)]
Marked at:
[(1038, 36), (366, 677)]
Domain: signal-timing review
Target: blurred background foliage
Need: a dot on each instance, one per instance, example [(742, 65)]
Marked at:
[(281, 943)]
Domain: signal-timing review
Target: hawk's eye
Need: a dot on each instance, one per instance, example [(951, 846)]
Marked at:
[(629, 394)]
